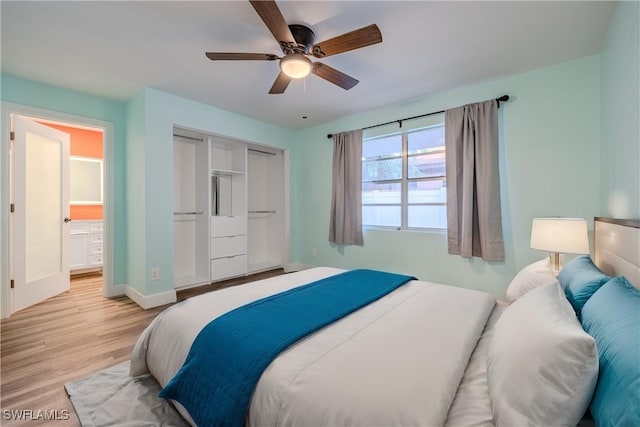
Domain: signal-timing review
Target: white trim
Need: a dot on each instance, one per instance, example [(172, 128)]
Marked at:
[(287, 207), (108, 128), (153, 300), (117, 290)]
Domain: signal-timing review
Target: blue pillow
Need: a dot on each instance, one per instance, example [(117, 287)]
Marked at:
[(580, 278), (612, 317)]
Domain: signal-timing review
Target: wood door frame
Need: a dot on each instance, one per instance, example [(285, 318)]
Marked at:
[(109, 289)]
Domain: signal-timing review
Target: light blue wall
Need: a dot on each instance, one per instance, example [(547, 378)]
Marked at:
[(24, 92), (144, 164), (136, 193), (550, 147), (161, 112), (550, 159), (620, 89)]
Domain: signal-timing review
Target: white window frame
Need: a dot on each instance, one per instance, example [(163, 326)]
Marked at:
[(404, 184)]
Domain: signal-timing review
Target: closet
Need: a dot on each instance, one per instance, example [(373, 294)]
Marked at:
[(228, 243), (229, 208), (266, 232), (190, 208)]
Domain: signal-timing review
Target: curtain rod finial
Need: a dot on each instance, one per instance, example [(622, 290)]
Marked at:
[(503, 98), (329, 135)]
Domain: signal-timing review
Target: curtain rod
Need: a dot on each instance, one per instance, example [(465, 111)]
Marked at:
[(503, 98)]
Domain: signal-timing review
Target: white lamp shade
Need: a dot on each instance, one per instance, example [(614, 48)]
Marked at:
[(561, 235), (296, 66)]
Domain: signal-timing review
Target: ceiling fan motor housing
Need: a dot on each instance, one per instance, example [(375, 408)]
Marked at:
[(304, 36)]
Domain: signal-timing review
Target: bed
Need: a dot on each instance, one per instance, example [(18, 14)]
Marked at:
[(427, 354)]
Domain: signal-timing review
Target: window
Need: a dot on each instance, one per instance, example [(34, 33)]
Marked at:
[(403, 180)]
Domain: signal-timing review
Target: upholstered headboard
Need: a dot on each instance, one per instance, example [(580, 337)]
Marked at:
[(617, 248)]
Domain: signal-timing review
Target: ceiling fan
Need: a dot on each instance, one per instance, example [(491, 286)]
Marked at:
[(297, 44)]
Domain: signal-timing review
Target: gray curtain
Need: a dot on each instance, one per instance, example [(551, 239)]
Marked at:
[(346, 200), (474, 219)]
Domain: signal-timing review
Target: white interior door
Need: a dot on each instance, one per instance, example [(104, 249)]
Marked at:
[(40, 222)]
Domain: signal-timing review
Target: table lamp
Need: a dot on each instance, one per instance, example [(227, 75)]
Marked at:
[(559, 235)]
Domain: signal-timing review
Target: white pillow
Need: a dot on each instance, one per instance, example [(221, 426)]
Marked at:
[(542, 367), (532, 276)]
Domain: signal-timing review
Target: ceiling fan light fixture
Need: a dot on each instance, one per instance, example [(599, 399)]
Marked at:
[(296, 65)]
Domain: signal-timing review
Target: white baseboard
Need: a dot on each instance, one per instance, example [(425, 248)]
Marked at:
[(290, 268), (153, 300), (114, 290)]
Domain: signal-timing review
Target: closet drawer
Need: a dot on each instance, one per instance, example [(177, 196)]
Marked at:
[(95, 238), (228, 225), (227, 246), (222, 268)]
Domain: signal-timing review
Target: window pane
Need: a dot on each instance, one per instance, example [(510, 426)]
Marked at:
[(426, 152), (432, 191), (426, 140), (427, 216), (382, 158), (382, 147), (388, 216), (427, 165), (387, 193), (380, 170)]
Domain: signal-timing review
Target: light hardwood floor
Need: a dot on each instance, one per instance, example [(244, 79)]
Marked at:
[(69, 337)]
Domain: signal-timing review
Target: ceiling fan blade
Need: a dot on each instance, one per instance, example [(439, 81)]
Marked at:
[(365, 36), (281, 83), (273, 19), (224, 56), (334, 76)]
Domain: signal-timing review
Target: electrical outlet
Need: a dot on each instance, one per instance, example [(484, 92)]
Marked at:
[(314, 252), (155, 274)]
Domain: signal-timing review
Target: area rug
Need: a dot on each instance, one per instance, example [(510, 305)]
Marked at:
[(112, 398)]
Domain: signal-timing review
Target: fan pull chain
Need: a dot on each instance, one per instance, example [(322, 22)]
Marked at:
[(304, 98)]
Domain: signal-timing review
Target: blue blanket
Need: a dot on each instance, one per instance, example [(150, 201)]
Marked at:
[(229, 354)]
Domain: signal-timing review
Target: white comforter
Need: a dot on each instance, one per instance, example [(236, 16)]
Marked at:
[(398, 361)]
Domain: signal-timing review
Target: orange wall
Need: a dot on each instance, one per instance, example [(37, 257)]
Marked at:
[(85, 143)]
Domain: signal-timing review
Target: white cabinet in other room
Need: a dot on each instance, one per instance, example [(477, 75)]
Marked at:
[(87, 245)]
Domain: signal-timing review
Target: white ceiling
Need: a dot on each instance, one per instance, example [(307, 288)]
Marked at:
[(115, 48)]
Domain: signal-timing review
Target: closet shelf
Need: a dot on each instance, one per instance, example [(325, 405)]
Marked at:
[(226, 172), (189, 213), (261, 214)]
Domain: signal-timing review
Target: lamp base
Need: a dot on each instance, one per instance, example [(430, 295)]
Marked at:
[(556, 262)]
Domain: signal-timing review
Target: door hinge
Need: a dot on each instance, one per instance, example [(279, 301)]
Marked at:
[(12, 284), (12, 208), (12, 136)]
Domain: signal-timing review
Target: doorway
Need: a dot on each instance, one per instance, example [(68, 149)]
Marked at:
[(102, 230)]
